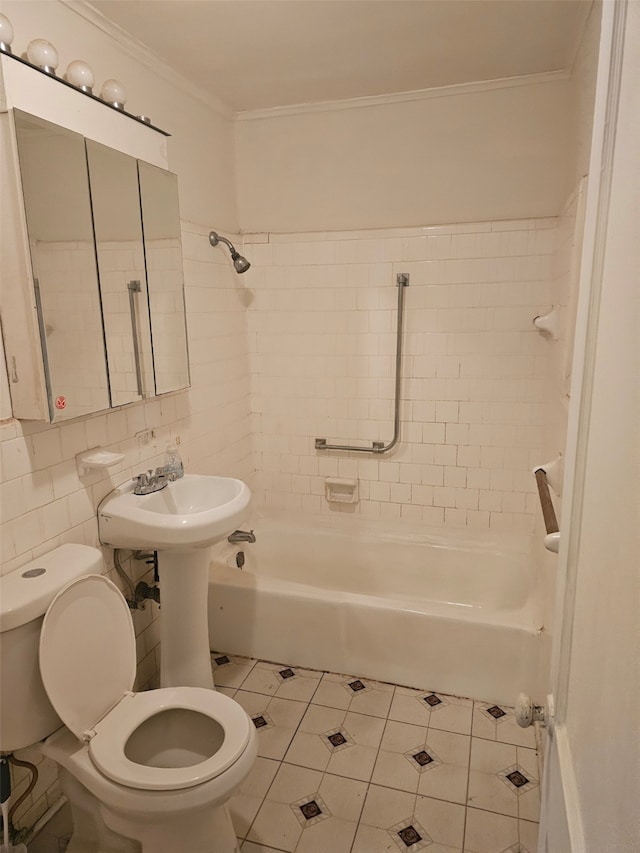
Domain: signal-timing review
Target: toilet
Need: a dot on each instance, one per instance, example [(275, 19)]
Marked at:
[(144, 772)]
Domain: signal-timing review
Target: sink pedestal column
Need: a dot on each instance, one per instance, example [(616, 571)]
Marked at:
[(184, 624)]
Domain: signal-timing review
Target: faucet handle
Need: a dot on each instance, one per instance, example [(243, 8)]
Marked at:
[(141, 479)]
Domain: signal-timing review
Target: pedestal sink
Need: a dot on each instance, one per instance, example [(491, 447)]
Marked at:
[(181, 522)]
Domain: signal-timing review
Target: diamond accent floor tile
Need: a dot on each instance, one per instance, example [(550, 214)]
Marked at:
[(422, 759), (285, 673), (516, 781), (262, 721), (435, 710), (496, 712), (286, 682), (517, 778), (409, 835), (497, 722), (354, 694), (355, 758), (310, 810), (337, 739)]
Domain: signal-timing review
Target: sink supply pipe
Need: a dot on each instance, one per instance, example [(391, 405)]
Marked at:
[(138, 595), (402, 281), (5, 796), (131, 598)]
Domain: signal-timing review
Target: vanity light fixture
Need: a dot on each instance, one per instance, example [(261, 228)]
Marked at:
[(6, 34), (114, 93), (43, 55), (79, 74)]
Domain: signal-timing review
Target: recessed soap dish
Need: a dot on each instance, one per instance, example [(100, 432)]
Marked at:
[(97, 459), (341, 491)]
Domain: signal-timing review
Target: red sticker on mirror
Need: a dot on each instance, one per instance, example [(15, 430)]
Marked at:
[(61, 402)]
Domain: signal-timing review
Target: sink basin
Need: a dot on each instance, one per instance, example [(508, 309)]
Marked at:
[(192, 512)]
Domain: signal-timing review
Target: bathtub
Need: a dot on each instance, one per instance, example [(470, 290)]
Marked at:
[(450, 613)]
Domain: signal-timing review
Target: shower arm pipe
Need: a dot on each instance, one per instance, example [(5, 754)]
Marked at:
[(228, 243), (402, 281)]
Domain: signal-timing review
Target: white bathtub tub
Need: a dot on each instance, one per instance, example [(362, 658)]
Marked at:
[(454, 615)]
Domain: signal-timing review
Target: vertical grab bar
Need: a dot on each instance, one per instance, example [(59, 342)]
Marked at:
[(402, 281), (135, 287)]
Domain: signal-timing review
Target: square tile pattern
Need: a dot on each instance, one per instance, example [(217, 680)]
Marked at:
[(351, 765)]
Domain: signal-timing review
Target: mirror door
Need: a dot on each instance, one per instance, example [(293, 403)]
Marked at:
[(163, 251), (53, 170), (117, 222)]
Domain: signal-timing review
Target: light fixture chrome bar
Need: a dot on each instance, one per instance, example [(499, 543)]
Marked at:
[(135, 287), (402, 281)]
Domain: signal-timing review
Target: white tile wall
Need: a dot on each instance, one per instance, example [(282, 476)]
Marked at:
[(44, 502), (322, 344)]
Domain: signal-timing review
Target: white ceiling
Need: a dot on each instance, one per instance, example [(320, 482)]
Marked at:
[(254, 54)]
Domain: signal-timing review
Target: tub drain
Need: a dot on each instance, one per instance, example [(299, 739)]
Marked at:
[(240, 559)]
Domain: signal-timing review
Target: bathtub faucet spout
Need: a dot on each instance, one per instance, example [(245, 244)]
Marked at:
[(241, 536)]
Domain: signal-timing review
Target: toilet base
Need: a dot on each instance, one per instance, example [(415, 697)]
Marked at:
[(98, 829), (207, 831), (90, 833)]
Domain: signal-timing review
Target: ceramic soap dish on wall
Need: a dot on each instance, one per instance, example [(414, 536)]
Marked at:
[(341, 491)]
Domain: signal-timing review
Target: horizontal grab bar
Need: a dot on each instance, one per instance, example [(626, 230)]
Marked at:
[(552, 539), (376, 446)]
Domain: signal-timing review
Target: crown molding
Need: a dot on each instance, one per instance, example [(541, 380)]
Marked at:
[(142, 54), (403, 97)]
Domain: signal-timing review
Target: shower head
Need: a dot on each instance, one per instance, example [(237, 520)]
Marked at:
[(240, 264)]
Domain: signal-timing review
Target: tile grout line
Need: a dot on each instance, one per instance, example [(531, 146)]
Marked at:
[(466, 796)]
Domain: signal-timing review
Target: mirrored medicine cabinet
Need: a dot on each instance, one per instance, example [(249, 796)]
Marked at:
[(103, 274)]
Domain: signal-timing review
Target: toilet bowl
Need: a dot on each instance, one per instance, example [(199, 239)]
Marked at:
[(156, 768)]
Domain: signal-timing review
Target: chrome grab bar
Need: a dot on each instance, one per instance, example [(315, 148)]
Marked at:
[(402, 281)]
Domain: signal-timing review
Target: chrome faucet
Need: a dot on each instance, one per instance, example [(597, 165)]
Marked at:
[(241, 536), (149, 481), (153, 480)]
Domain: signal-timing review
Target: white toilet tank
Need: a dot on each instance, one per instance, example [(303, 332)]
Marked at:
[(26, 715)]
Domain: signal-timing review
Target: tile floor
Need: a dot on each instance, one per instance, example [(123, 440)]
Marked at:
[(350, 765)]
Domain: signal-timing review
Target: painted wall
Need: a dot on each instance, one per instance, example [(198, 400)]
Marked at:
[(582, 86), (465, 154)]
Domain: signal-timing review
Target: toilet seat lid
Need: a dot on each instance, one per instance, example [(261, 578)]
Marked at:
[(87, 651)]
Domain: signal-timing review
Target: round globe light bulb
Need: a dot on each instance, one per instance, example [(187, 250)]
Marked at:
[(6, 34), (80, 74), (42, 53), (114, 93)]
